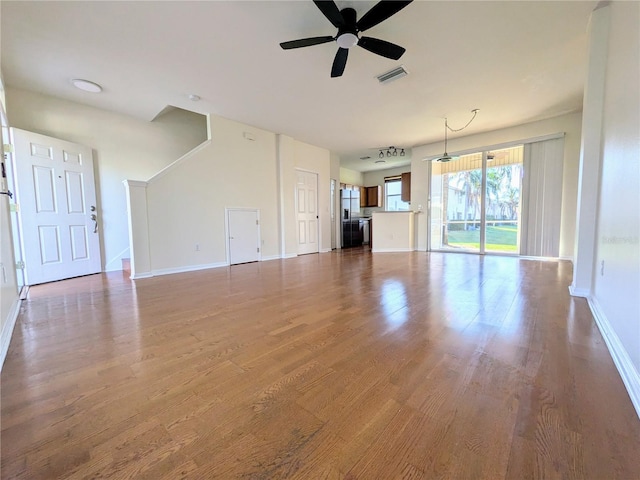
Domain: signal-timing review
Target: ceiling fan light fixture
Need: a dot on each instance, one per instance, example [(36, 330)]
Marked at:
[(349, 26), (402, 152), (347, 40), (381, 155)]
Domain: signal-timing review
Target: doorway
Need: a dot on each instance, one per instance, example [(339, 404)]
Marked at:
[(243, 235), (57, 214), (475, 202), (307, 212)]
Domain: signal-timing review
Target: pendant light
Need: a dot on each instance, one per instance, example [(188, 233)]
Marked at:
[(446, 157)]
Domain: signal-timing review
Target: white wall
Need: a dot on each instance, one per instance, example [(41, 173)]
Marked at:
[(186, 202), (351, 177), (317, 160), (334, 173), (9, 302), (616, 288), (286, 191), (570, 124), (124, 148)]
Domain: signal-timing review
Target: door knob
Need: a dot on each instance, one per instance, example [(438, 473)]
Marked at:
[(93, 208)]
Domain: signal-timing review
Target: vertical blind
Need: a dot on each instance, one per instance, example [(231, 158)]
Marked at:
[(542, 198)]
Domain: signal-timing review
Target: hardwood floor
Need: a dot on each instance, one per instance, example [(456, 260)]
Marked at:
[(342, 365)]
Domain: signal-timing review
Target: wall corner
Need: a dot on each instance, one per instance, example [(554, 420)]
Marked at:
[(137, 216)]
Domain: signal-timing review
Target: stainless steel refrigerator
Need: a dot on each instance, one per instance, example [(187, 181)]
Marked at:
[(351, 232)]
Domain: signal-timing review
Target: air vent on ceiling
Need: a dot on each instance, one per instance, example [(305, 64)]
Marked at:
[(393, 75)]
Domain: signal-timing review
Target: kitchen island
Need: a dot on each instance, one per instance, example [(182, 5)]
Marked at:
[(392, 232)]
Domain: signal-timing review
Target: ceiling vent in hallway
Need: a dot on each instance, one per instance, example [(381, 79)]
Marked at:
[(392, 75)]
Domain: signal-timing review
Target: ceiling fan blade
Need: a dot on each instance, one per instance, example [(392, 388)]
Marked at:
[(330, 10), (339, 62), (380, 47), (380, 12), (306, 42)]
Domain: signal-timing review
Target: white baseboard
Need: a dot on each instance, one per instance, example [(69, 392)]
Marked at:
[(171, 271), (193, 268), (325, 250), (7, 330), (138, 276), (579, 292), (188, 268), (621, 359)]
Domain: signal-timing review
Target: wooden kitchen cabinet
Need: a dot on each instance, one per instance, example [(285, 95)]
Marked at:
[(374, 196), (405, 194), (371, 196)]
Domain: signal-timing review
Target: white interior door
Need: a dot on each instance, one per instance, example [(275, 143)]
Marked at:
[(243, 226), (57, 208), (307, 208)]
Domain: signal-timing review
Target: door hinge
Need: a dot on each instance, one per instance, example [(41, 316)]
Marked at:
[(20, 265), (257, 222), (258, 249)]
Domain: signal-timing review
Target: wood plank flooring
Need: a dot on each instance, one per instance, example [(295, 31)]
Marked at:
[(343, 365)]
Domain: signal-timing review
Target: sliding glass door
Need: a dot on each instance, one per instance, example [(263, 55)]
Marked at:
[(502, 200), (475, 202)]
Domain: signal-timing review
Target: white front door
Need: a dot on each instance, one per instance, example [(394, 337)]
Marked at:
[(243, 226), (307, 208), (57, 207)]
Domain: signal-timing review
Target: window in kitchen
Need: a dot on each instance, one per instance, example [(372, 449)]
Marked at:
[(393, 195)]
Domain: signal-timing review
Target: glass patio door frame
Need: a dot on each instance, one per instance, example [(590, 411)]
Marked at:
[(483, 213)]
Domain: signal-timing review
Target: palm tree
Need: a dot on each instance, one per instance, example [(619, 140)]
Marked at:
[(495, 179), (470, 181)]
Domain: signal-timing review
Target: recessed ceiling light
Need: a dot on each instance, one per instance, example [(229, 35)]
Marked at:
[(194, 98), (86, 85), (381, 161)]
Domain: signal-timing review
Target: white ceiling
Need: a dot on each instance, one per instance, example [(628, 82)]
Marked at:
[(515, 61)]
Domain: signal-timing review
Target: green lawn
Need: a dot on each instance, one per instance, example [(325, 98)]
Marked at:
[(499, 239)]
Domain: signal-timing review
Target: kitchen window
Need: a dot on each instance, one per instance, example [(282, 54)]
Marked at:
[(393, 195)]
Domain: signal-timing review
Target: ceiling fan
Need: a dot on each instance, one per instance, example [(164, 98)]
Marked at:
[(348, 28)]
